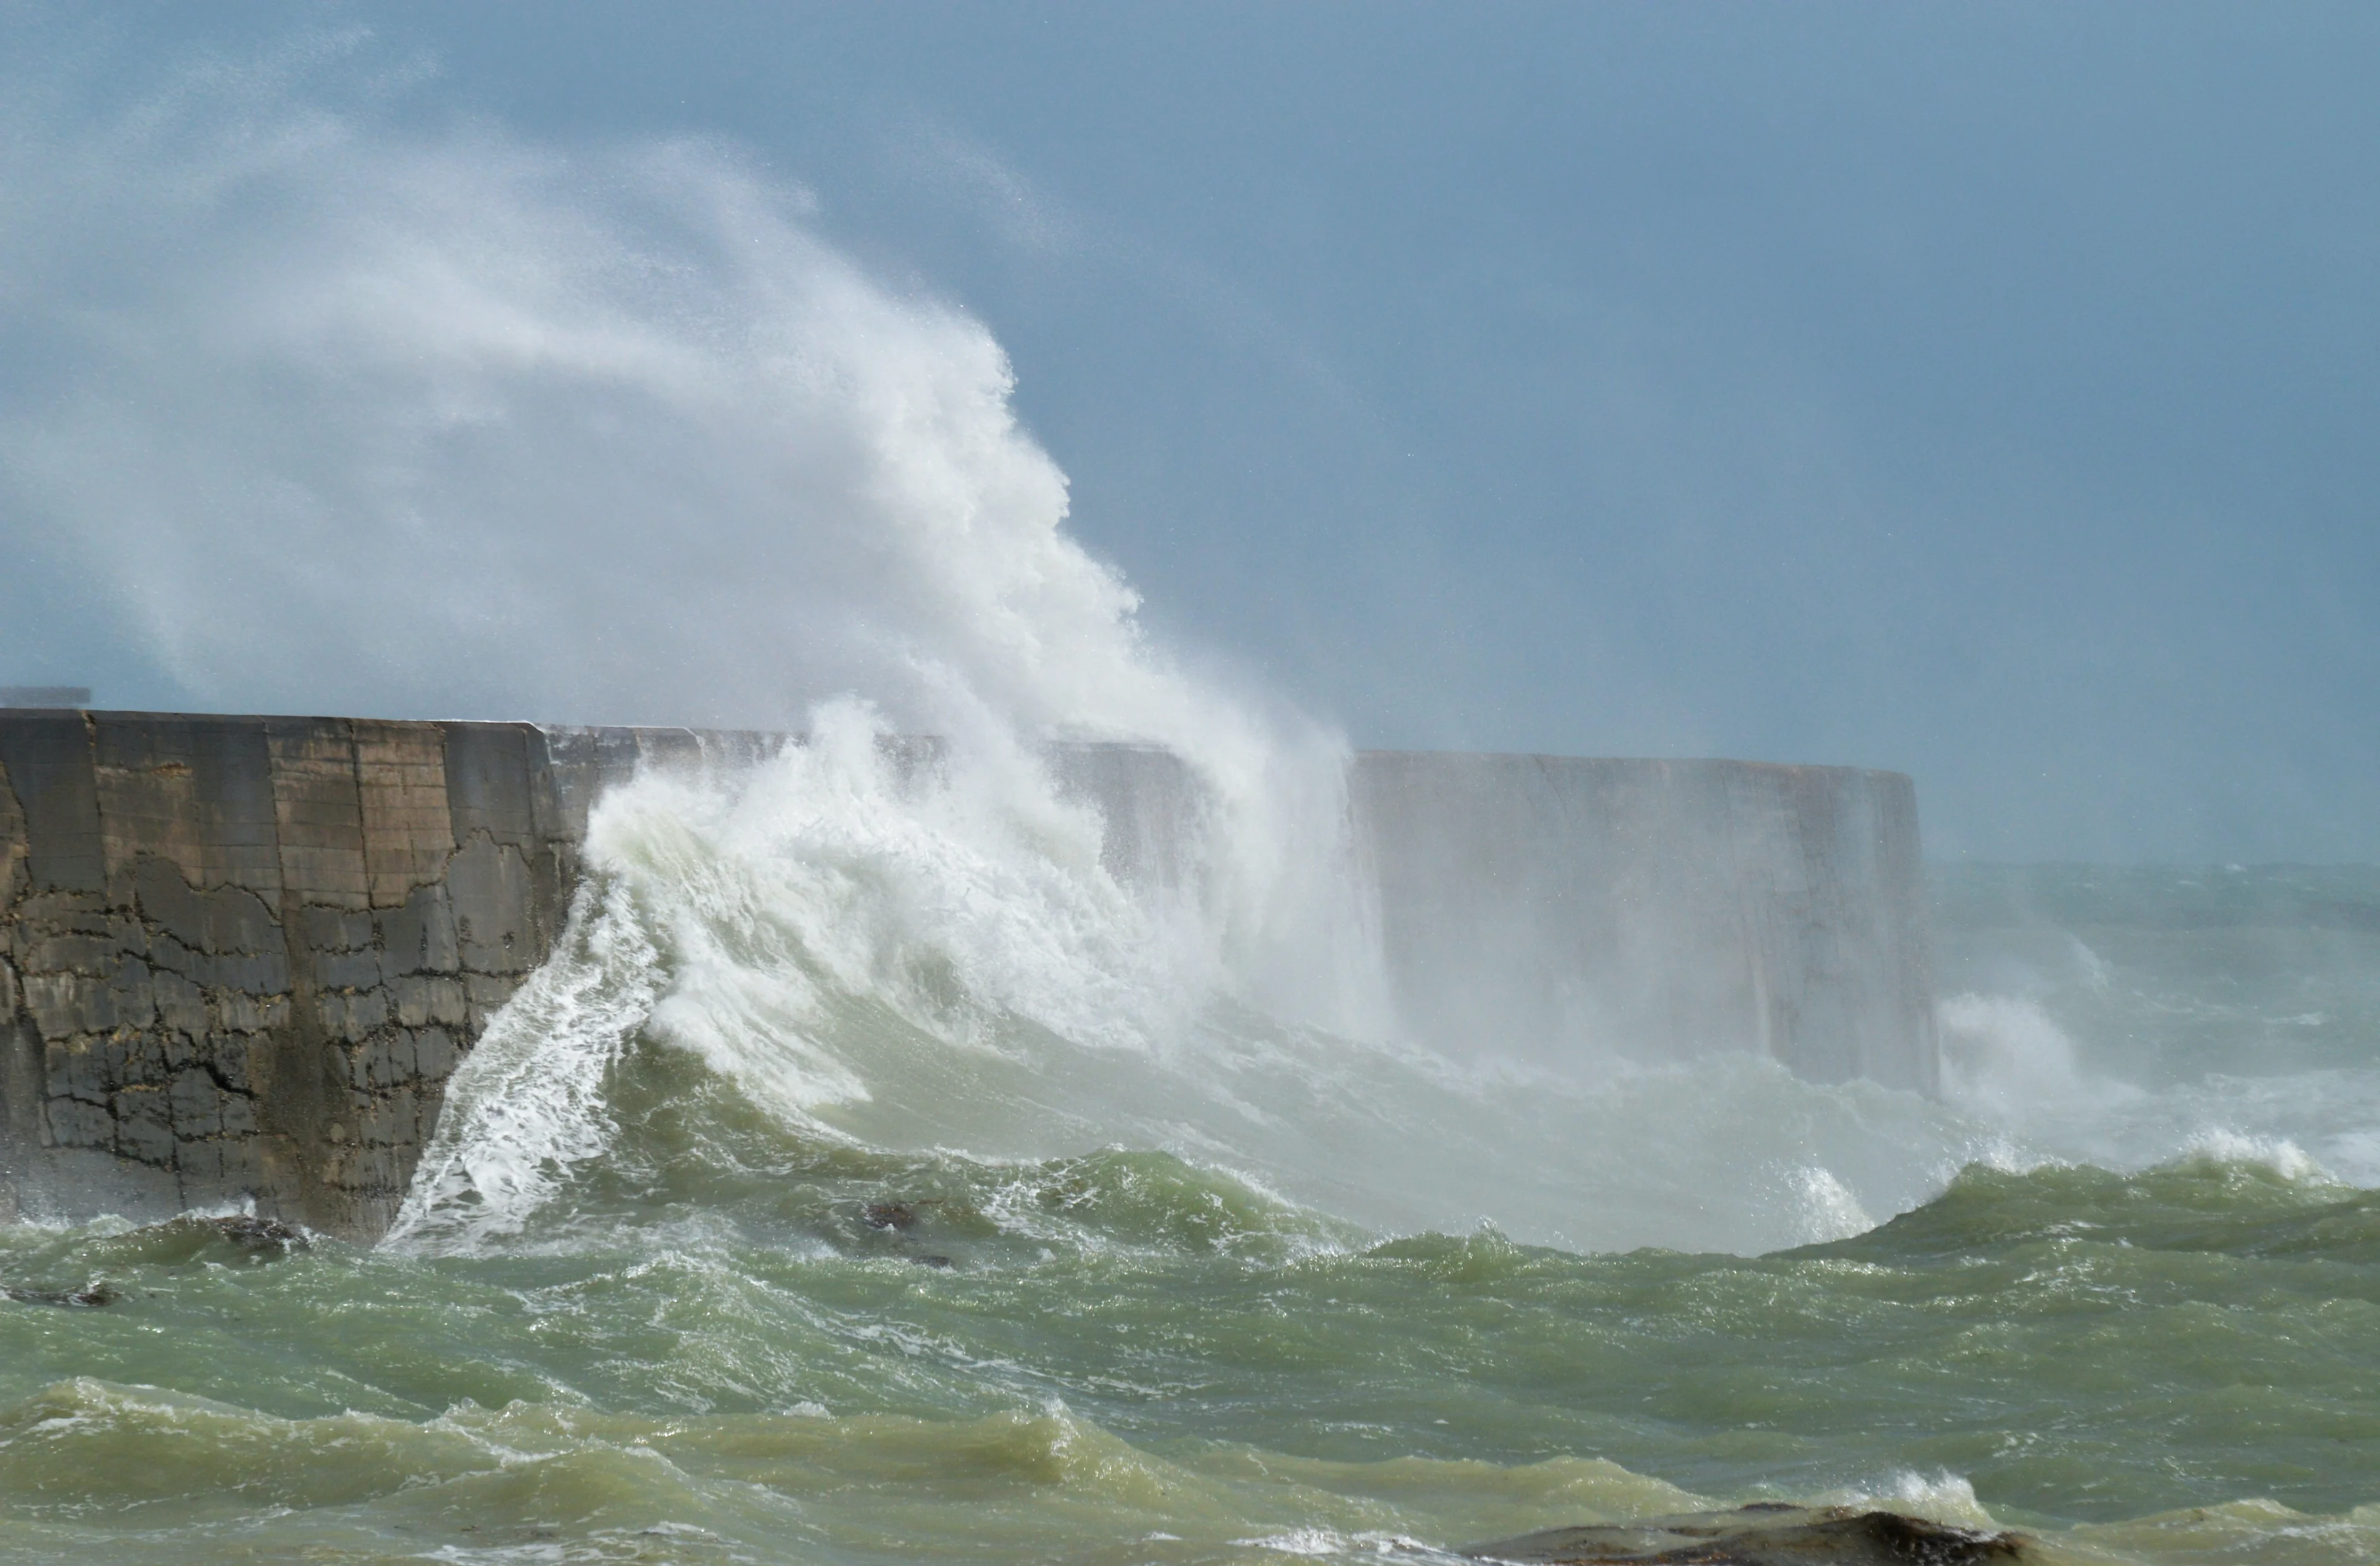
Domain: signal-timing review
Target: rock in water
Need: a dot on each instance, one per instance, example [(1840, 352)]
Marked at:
[(195, 1236), (90, 1297), (896, 1215), (258, 1236), (1769, 1534)]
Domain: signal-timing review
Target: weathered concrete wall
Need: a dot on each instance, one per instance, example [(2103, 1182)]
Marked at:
[(1550, 905), (1152, 804), (240, 956), (1563, 908)]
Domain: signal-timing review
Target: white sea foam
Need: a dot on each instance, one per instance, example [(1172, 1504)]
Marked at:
[(531, 1104), (2006, 1056), (2280, 1155), (1823, 1208), (447, 415), (1944, 1497)]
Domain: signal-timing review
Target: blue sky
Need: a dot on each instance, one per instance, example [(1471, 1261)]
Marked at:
[(1984, 392)]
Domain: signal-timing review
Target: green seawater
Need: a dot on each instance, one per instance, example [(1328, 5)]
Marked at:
[(2124, 1294), (1120, 1357)]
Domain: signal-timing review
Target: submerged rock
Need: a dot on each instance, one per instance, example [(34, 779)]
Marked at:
[(1766, 1534), (192, 1235), (265, 1236), (895, 1215), (90, 1297), (178, 1241)]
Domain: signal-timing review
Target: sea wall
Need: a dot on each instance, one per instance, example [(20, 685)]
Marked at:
[(1556, 907), (240, 956)]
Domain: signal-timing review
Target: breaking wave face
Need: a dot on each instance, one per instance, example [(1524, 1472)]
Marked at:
[(861, 949)]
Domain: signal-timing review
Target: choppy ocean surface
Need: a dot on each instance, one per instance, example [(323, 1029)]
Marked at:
[(839, 1196)]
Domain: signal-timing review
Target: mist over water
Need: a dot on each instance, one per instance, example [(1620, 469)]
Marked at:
[(878, 1171), (2116, 1014)]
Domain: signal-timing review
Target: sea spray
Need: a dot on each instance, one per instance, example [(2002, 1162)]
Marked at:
[(883, 945), (497, 428), (621, 430), (533, 1103), (760, 919)]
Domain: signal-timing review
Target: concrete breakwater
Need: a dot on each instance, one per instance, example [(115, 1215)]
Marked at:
[(1656, 909), (240, 956)]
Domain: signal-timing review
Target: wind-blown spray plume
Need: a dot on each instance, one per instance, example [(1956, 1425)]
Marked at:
[(343, 414)]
